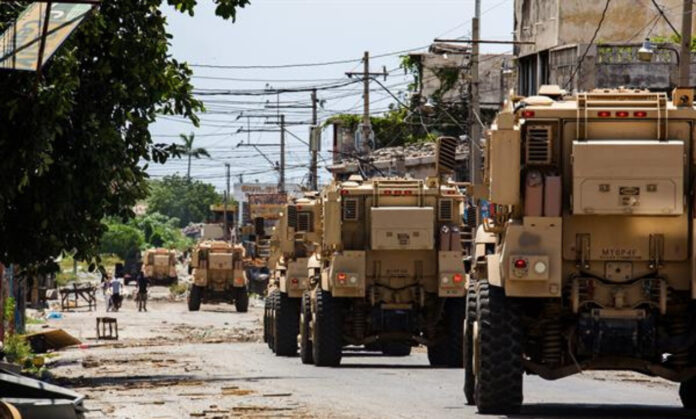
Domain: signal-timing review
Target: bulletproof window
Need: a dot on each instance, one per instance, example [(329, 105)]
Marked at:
[(350, 209), (304, 221), (292, 217), (446, 209), (539, 145)]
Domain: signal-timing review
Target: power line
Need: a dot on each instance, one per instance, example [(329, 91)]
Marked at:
[(589, 45), (316, 64)]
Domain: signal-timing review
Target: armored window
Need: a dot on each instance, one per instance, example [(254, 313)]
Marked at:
[(539, 145), (304, 221), (292, 217), (446, 210), (350, 209)]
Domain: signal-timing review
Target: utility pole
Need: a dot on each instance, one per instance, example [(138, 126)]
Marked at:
[(685, 55), (474, 103), (313, 148), (366, 128), (281, 183), (227, 194), (366, 75)]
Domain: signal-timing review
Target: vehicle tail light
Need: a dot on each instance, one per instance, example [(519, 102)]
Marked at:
[(640, 114), (604, 114), (457, 278), (344, 192), (622, 114), (295, 281), (408, 192), (341, 278), (387, 192), (520, 264), (528, 114)]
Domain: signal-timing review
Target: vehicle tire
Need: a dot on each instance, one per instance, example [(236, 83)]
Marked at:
[(241, 303), (287, 325), (687, 392), (194, 298), (396, 349), (468, 350), (327, 339), (497, 352), (305, 318), (448, 353), (266, 318), (271, 319)]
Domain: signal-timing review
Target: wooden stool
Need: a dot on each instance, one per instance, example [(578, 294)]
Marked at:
[(113, 328)]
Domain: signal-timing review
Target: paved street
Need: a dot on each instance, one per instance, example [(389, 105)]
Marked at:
[(171, 363)]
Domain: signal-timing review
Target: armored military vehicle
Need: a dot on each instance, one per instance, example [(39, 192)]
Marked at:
[(587, 260), (292, 243), (218, 275), (159, 266), (388, 272)]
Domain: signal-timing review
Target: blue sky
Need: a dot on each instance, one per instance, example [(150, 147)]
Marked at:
[(276, 32)]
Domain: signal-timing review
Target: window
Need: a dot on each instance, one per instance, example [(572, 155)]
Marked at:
[(350, 209)]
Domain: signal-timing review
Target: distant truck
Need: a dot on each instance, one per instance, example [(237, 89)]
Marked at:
[(159, 266), (218, 275)]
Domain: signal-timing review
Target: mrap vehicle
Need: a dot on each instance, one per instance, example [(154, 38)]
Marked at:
[(159, 266), (292, 243), (389, 272), (587, 260), (218, 274)]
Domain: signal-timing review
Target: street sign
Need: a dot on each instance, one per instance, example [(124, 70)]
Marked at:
[(31, 40)]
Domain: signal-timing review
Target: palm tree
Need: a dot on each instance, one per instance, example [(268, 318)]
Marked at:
[(187, 149)]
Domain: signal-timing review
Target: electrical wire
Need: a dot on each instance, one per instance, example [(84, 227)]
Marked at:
[(589, 45)]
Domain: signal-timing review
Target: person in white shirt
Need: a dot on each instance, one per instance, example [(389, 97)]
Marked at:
[(116, 298)]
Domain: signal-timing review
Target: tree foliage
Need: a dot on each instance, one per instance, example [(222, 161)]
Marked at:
[(121, 240), (177, 197), (72, 144)]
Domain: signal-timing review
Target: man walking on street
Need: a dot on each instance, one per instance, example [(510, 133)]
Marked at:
[(142, 291)]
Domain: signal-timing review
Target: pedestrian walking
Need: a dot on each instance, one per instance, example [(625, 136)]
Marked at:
[(142, 283)]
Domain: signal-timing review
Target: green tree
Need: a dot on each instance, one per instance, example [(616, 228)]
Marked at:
[(121, 240), (73, 142), (177, 197), (187, 149)]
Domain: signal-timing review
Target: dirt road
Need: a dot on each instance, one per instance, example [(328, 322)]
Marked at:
[(169, 363)]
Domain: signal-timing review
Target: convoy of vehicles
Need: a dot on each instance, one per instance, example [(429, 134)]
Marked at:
[(587, 260), (583, 260), (217, 268)]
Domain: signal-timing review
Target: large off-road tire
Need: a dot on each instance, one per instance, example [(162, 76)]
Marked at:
[(287, 325), (194, 298), (305, 318), (497, 352), (327, 339), (687, 392), (468, 349), (241, 302), (273, 297), (266, 308), (396, 349), (448, 353)]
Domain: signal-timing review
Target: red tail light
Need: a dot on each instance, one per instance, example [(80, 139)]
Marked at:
[(457, 278), (528, 114), (640, 114), (295, 281), (341, 277), (344, 192), (520, 264), (604, 114), (622, 114)]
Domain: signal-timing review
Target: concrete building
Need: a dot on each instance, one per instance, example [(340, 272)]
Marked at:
[(562, 29)]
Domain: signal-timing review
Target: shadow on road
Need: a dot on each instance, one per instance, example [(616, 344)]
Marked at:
[(386, 366), (552, 411)]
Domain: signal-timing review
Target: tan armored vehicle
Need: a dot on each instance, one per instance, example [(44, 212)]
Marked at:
[(159, 266), (292, 243), (218, 275), (587, 259), (388, 273)]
